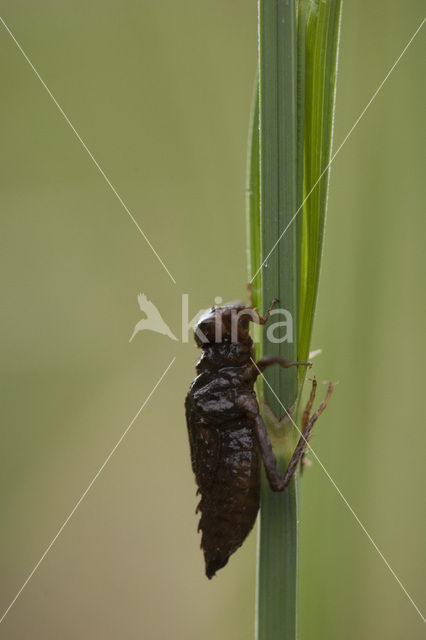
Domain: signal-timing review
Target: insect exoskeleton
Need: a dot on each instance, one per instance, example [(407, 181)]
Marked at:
[(226, 432)]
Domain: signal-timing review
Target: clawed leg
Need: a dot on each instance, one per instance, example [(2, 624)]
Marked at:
[(268, 312), (273, 474), (304, 461), (310, 403), (267, 361), (256, 368), (276, 481), (304, 438)]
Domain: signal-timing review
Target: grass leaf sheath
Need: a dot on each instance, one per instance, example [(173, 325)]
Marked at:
[(289, 148)]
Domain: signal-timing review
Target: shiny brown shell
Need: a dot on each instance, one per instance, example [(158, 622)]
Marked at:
[(224, 452), (227, 435)]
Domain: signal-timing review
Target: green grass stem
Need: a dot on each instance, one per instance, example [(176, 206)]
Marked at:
[(289, 147)]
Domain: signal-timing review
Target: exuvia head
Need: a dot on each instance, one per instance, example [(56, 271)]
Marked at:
[(225, 323)]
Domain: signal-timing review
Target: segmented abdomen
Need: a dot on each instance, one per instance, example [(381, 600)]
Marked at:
[(230, 504)]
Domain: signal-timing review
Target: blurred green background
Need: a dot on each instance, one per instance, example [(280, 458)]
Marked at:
[(160, 92)]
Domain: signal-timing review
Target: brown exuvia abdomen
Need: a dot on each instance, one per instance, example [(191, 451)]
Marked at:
[(230, 507)]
